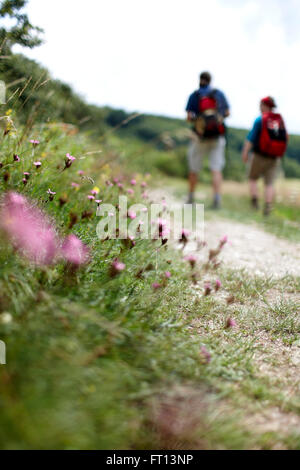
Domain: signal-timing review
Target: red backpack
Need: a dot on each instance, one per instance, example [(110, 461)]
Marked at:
[(273, 137), (209, 123)]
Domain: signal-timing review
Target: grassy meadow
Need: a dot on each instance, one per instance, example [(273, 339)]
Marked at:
[(147, 357), (132, 344)]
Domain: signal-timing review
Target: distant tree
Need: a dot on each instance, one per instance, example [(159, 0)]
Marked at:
[(21, 31)]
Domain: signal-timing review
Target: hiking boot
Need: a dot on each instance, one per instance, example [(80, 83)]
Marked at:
[(267, 209), (254, 203), (216, 203)]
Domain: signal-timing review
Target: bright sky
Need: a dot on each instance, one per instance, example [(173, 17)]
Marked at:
[(146, 56)]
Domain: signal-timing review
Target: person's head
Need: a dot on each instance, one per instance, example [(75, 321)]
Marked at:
[(267, 104), (205, 79)]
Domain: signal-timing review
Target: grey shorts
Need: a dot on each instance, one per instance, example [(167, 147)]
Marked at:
[(214, 149)]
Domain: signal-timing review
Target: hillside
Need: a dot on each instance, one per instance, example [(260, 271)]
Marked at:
[(35, 96)]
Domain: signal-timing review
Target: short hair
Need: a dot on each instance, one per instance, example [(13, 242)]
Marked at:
[(205, 76)]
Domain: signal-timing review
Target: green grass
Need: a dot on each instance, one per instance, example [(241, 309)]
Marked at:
[(110, 363)]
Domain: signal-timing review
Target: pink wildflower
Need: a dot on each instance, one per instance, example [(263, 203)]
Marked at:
[(28, 229), (37, 165), (192, 259), (75, 185), (156, 285), (130, 191), (26, 174), (34, 142), (143, 184), (223, 240), (80, 172), (17, 158), (206, 354), (131, 215), (218, 284), (91, 198), (116, 268), (74, 251), (51, 194), (230, 323), (69, 160), (184, 237), (168, 274), (207, 289), (133, 182)]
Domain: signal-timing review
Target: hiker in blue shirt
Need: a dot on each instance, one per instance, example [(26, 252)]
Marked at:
[(267, 143), (206, 109)]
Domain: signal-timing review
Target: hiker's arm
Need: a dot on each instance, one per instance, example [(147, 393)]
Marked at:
[(252, 139), (247, 148)]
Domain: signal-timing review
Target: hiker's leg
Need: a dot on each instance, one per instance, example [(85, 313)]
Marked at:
[(256, 170), (217, 163), (269, 196), (253, 189), (217, 179), (193, 177), (269, 177), (194, 162), (269, 193), (254, 193)]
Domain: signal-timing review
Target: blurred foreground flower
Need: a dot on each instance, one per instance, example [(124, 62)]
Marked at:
[(74, 251), (28, 229)]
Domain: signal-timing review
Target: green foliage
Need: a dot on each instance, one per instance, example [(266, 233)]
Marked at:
[(161, 140), (291, 167), (22, 32)]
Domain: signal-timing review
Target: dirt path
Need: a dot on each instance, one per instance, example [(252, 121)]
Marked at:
[(250, 247), (262, 255)]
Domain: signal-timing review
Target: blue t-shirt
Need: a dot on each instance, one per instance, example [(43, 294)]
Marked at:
[(254, 134), (193, 102)]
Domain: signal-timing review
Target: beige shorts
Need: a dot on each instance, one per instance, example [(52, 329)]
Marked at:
[(264, 166), (214, 149)]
